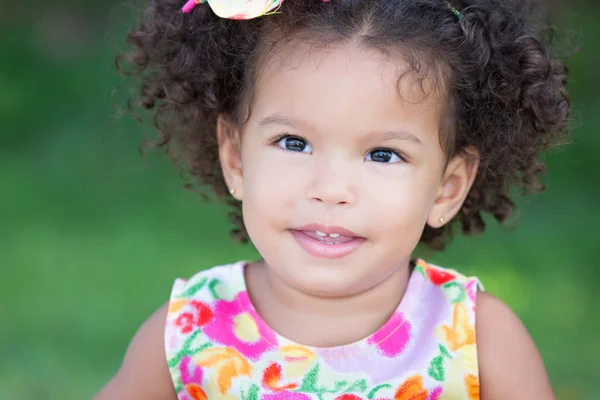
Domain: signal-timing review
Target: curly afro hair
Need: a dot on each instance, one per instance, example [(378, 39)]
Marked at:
[(505, 88)]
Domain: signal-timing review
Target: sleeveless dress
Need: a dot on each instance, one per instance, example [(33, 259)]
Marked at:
[(218, 347)]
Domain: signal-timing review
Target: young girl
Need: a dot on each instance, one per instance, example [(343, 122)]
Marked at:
[(348, 132)]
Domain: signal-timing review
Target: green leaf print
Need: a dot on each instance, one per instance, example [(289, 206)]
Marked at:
[(309, 385), (455, 292), (420, 269), (193, 289), (436, 368), (211, 286), (359, 386), (338, 387), (185, 349), (252, 393), (445, 351), (310, 380), (377, 388)]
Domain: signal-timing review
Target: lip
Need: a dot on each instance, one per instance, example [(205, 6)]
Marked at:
[(322, 249), (328, 230)]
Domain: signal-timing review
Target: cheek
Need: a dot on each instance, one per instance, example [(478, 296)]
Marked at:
[(272, 183), (401, 202)]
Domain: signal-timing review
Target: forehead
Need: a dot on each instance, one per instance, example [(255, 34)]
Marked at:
[(349, 86)]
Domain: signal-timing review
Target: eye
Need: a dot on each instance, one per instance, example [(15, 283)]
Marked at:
[(293, 143), (383, 156)]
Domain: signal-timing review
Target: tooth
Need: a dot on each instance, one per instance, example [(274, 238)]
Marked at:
[(334, 235), (320, 234)]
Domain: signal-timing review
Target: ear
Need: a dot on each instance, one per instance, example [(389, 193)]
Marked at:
[(457, 181), (228, 138)]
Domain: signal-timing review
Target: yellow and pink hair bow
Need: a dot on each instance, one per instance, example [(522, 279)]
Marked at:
[(236, 9)]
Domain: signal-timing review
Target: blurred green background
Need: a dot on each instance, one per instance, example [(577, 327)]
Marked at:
[(93, 234)]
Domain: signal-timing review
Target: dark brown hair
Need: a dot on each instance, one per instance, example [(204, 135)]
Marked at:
[(505, 88)]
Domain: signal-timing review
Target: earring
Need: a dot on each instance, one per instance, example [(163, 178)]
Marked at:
[(442, 220), (232, 191)]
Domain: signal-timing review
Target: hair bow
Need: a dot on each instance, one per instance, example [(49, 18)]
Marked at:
[(236, 9)]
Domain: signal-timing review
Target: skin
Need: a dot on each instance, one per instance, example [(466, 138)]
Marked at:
[(341, 104)]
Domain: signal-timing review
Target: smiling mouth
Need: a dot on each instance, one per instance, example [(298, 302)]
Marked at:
[(329, 238), (327, 242)]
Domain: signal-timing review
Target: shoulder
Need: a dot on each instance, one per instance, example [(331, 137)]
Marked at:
[(510, 366), (144, 373)]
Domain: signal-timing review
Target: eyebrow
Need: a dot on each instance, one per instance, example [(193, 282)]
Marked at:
[(282, 120), (395, 135), (383, 136)]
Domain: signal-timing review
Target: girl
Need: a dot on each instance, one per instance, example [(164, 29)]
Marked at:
[(348, 132)]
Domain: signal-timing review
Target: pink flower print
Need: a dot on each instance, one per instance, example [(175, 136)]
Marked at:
[(435, 393), (189, 371), (393, 337), (472, 288), (237, 325), (200, 316), (191, 377)]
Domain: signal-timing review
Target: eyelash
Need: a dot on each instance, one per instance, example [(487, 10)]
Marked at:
[(279, 138), (402, 158), (398, 154)]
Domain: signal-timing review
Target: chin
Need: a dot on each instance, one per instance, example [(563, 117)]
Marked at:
[(323, 281)]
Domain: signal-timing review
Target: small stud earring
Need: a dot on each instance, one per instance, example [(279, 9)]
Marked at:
[(442, 220), (232, 191)]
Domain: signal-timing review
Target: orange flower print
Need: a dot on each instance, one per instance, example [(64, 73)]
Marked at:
[(412, 389), (272, 377), (472, 385), (461, 333), (225, 364), (196, 392)]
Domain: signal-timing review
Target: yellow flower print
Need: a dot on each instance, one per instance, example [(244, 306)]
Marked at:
[(461, 375), (214, 393), (176, 305), (297, 360), (225, 364)]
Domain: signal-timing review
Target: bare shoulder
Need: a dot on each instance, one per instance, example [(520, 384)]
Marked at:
[(144, 373), (510, 365)]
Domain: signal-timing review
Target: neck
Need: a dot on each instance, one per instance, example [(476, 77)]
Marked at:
[(325, 321)]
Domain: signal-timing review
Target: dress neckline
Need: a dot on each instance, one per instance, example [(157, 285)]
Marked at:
[(394, 323)]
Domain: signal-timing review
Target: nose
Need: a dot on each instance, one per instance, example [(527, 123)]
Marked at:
[(333, 184)]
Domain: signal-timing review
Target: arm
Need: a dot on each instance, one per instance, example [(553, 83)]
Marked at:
[(144, 374), (510, 365)]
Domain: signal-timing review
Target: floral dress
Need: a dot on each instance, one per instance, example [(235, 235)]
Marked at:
[(218, 347)]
